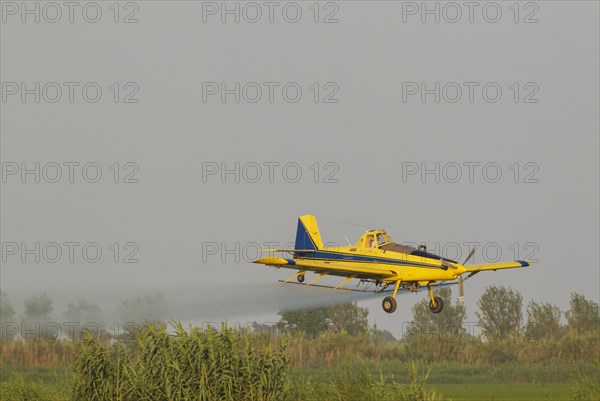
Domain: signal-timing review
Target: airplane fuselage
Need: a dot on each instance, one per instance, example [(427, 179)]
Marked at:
[(401, 266)]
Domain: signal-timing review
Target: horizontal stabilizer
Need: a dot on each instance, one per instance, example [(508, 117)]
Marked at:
[(288, 250)]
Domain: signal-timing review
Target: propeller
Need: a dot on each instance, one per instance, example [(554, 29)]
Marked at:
[(461, 287)]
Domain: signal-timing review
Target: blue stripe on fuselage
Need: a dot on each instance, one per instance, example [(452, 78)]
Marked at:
[(337, 256)]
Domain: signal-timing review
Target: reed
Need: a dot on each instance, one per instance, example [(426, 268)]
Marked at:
[(187, 365)]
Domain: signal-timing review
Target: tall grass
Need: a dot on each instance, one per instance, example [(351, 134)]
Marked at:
[(17, 388), (586, 384), (187, 365), (328, 350), (356, 381), (37, 352)]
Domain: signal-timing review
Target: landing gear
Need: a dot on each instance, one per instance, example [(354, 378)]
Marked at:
[(300, 278), (389, 304), (436, 304)]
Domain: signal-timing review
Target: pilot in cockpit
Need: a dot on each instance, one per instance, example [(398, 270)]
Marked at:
[(371, 242)]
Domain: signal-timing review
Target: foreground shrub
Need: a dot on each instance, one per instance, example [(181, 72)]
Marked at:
[(187, 365)]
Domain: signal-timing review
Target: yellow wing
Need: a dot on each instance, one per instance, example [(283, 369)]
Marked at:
[(498, 265), (334, 268)]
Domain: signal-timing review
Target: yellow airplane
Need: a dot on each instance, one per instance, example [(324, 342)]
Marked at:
[(376, 259)]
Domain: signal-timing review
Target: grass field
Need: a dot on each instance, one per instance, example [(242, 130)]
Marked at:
[(208, 365), (467, 390), (505, 392), (508, 382)]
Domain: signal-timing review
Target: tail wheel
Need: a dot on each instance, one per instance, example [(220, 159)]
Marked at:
[(300, 278), (389, 304), (437, 306)]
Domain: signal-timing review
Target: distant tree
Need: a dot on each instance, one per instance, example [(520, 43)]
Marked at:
[(38, 309), (151, 308), (584, 314), (449, 322), (543, 321), (348, 318), (381, 336), (7, 313), (501, 312), (87, 315), (7, 317), (337, 318), (311, 321), (37, 316)]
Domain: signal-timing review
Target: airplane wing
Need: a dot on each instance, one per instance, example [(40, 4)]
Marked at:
[(334, 268), (498, 265), (368, 288)]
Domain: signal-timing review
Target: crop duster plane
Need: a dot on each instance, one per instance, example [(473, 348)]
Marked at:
[(377, 260)]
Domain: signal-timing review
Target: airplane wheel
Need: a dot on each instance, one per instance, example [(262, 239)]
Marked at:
[(300, 278), (389, 304), (438, 306)]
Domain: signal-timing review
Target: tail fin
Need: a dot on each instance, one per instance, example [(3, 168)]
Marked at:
[(307, 234)]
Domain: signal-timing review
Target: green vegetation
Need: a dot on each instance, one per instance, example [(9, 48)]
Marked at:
[(502, 392), (190, 365), (325, 354), (340, 318), (500, 312)]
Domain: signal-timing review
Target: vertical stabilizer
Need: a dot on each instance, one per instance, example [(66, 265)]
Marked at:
[(307, 234)]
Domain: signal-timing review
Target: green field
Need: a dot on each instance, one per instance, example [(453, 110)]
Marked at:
[(53, 381), (226, 365), (505, 392), (506, 382)]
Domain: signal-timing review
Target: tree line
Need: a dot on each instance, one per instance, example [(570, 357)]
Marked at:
[(500, 316), (38, 311)]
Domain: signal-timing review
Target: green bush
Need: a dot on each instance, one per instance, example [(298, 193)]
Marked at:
[(188, 365)]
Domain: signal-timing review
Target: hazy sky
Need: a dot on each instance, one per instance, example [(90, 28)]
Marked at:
[(358, 97)]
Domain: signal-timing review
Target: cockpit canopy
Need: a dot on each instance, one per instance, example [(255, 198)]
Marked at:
[(381, 240), (374, 239)]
